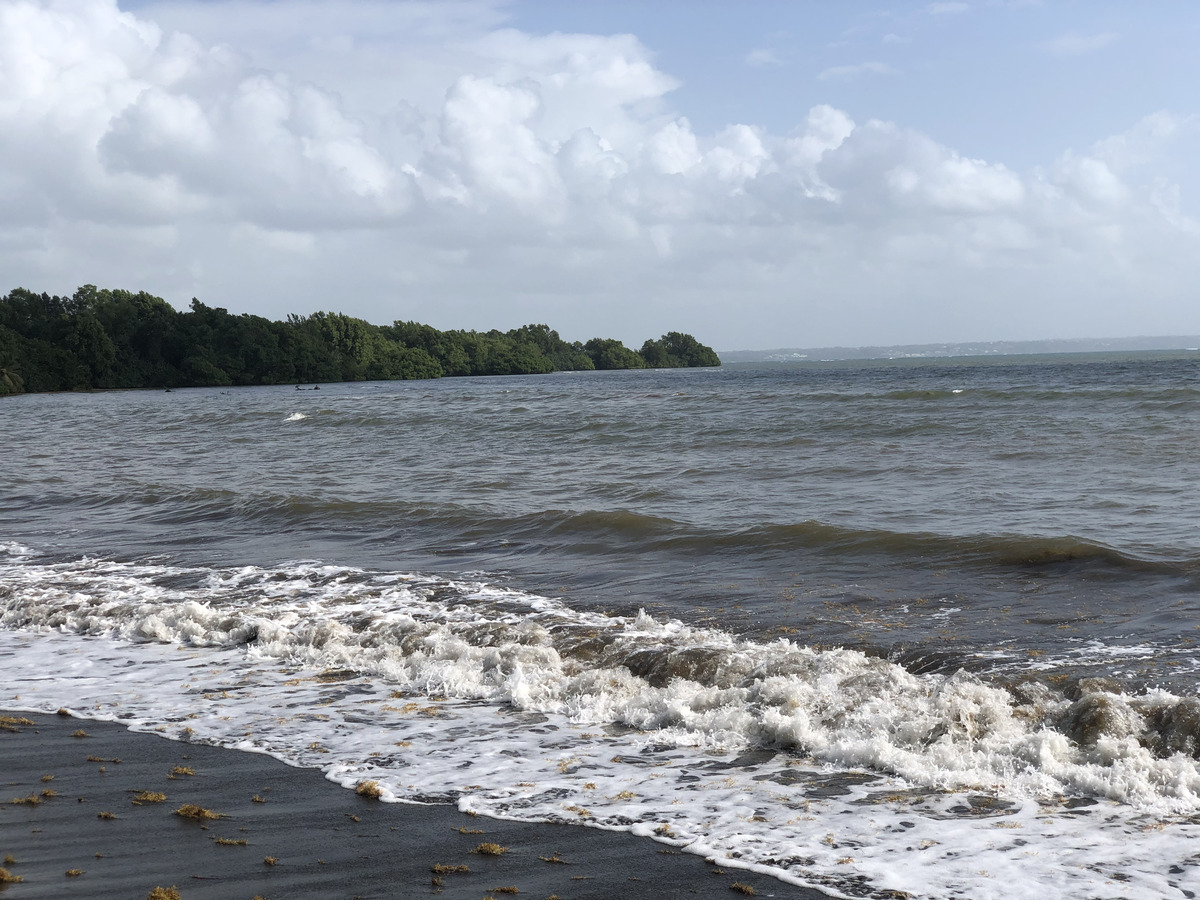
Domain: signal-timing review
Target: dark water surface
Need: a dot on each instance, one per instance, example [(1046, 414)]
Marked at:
[(883, 602), (945, 514)]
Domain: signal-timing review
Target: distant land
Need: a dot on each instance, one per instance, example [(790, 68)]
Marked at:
[(115, 339), (977, 348)]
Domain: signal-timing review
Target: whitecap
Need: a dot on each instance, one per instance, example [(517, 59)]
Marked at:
[(827, 767)]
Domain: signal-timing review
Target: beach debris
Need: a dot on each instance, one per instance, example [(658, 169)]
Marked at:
[(162, 893), (10, 860), (63, 711), (78, 733), (183, 770), (450, 869), (31, 800), (743, 889), (462, 829), (554, 859), (105, 815), (49, 792), (149, 797), (197, 813), (270, 861), (14, 723), (74, 873), (490, 849), (47, 778), (7, 877), (230, 842), (369, 789), (257, 799), (503, 890)]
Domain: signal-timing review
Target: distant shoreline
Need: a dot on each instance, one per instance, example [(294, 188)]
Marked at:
[(1178, 344), (100, 339)]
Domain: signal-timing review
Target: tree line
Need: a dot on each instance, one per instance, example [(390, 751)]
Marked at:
[(97, 339)]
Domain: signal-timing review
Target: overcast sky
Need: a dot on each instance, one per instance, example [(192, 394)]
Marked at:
[(761, 174)]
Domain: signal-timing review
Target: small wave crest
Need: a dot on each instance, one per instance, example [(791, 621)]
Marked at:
[(601, 531), (16, 551)]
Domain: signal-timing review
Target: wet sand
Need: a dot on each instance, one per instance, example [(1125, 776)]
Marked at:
[(288, 833)]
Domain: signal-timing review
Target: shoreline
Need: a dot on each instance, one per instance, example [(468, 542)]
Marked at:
[(288, 832)]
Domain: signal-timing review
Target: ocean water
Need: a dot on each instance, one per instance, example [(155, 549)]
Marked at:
[(883, 628)]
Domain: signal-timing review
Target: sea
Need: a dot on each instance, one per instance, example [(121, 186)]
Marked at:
[(906, 628)]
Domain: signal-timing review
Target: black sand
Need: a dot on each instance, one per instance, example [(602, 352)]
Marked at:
[(327, 842)]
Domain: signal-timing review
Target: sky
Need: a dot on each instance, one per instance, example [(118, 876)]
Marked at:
[(760, 174)]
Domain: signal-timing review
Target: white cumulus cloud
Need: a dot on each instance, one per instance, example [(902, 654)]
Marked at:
[(418, 161)]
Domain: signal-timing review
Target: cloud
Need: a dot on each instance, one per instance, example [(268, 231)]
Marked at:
[(1079, 44), (475, 176), (491, 148), (853, 71), (763, 57), (1146, 142), (947, 9)]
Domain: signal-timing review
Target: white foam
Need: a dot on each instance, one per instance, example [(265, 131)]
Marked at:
[(516, 705), (295, 417), (17, 551)]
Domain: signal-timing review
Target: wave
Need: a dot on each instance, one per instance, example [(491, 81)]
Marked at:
[(683, 685), (619, 530), (1149, 396)]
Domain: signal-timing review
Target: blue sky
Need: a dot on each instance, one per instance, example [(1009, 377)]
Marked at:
[(1014, 81), (759, 174)]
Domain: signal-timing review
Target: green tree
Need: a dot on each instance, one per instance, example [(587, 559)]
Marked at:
[(10, 381), (114, 338), (609, 353), (675, 350)]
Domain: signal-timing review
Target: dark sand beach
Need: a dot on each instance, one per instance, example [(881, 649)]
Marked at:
[(288, 833)]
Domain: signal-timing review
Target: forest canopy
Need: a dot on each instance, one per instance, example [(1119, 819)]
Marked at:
[(98, 339)]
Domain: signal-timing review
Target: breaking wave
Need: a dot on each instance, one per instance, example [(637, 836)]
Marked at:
[(686, 685)]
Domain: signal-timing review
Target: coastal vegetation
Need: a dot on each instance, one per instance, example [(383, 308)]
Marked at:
[(101, 339)]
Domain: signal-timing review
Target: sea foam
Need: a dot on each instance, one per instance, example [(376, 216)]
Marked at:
[(829, 767)]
